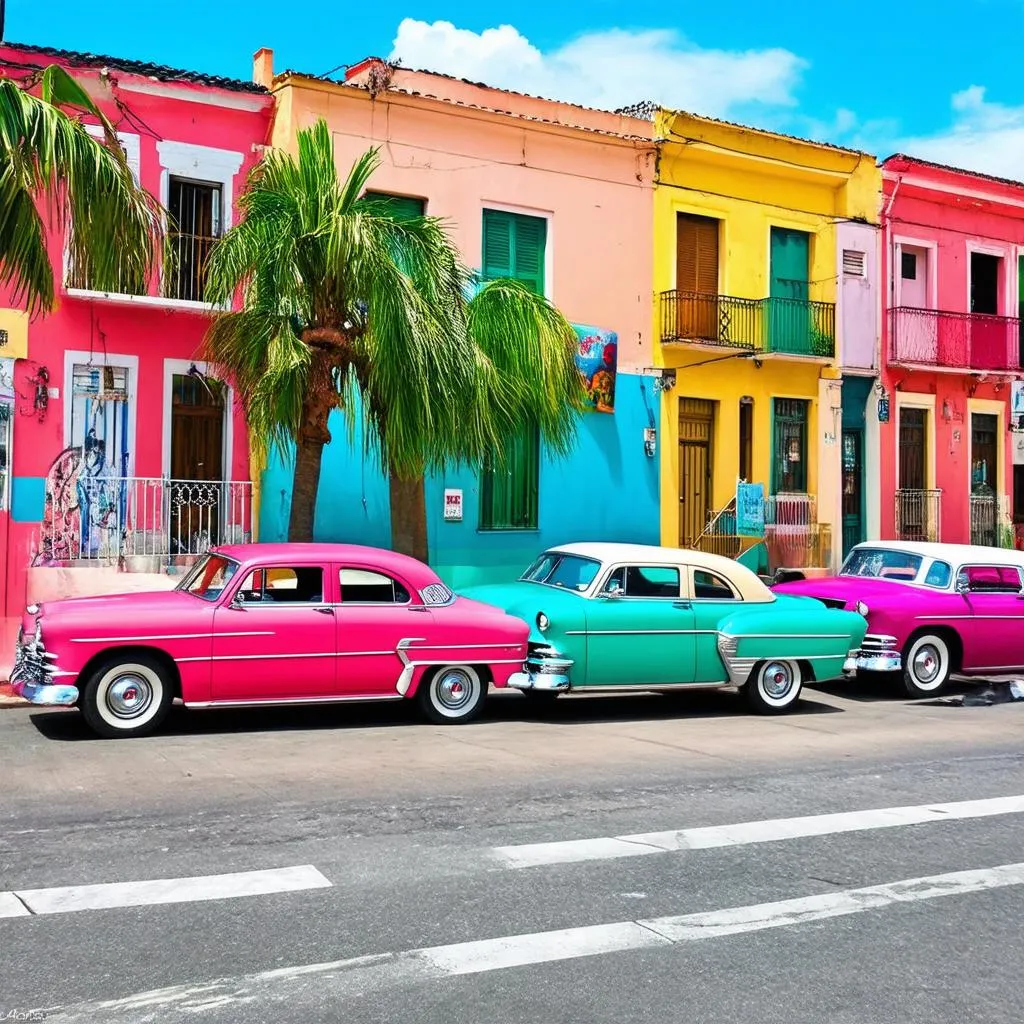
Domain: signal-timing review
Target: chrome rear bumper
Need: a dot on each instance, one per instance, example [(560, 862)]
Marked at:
[(544, 669), (878, 654)]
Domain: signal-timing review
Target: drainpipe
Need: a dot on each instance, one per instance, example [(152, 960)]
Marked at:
[(889, 246)]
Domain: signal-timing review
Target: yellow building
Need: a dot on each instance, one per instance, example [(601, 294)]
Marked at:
[(745, 275)]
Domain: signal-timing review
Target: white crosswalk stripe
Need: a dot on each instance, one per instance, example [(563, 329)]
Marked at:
[(359, 974), (66, 899), (775, 830)]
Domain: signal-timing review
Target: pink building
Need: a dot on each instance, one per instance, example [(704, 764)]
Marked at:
[(952, 259), (117, 451)]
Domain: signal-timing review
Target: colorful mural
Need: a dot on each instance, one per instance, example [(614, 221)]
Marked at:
[(597, 361)]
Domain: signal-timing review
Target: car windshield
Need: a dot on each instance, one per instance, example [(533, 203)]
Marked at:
[(882, 563), (209, 577), (570, 572)]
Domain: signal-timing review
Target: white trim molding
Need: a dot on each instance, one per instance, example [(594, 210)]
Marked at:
[(182, 366), (932, 283), (129, 143), (1007, 296), (200, 163), (72, 358)]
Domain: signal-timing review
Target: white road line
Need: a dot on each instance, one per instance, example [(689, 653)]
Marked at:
[(11, 906), (370, 973), (611, 847), (65, 899)]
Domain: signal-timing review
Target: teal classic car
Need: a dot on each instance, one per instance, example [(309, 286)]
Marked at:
[(635, 617)]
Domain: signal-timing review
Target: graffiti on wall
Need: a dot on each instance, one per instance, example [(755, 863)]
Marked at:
[(597, 361), (85, 498)]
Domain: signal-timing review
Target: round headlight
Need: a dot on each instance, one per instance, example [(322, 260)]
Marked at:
[(862, 609), (542, 621)]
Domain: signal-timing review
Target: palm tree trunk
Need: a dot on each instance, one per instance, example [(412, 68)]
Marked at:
[(408, 517), (308, 456)]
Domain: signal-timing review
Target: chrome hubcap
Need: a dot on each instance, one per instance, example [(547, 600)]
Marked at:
[(777, 680), (129, 696), (454, 690), (927, 664)]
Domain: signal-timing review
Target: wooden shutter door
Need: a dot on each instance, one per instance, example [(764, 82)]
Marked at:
[(697, 276), (528, 242), (497, 247)]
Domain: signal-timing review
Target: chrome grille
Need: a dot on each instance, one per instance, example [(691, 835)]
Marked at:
[(879, 642)]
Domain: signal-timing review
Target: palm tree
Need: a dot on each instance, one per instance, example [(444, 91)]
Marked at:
[(346, 305), (50, 164)]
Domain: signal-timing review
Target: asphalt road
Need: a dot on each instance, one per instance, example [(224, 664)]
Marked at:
[(370, 868)]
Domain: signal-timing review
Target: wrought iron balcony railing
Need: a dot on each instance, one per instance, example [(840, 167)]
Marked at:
[(712, 320), (918, 514), (143, 522), (959, 341), (185, 272), (787, 326)]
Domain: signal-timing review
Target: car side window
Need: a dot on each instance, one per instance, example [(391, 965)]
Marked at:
[(708, 586), (645, 581), (361, 586), (991, 579), (938, 575), (303, 584)]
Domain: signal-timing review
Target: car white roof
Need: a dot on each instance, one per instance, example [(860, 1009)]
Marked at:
[(746, 582), (959, 553)]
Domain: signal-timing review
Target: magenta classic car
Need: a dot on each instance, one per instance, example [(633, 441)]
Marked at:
[(931, 609), (269, 624)]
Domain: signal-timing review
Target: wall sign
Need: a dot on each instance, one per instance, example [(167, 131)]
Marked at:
[(453, 505), (597, 362), (750, 510), (883, 409)]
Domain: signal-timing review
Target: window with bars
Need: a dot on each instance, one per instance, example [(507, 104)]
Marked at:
[(513, 246), (197, 223), (789, 445)]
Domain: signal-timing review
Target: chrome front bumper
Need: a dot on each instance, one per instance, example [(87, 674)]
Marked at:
[(544, 669), (881, 654), (33, 674)]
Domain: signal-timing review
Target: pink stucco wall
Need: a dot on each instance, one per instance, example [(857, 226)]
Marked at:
[(953, 212), (858, 298), (465, 147), (172, 112)]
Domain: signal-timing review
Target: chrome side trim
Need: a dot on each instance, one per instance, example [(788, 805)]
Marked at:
[(290, 700), (166, 636), (641, 632)]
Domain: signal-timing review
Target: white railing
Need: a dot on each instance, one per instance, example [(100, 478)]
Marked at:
[(137, 521)]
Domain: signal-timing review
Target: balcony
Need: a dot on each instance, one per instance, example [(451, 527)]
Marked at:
[(918, 514), (794, 327), (147, 523), (954, 341)]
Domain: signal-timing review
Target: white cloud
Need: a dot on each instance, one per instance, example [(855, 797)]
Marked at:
[(606, 69), (983, 136)]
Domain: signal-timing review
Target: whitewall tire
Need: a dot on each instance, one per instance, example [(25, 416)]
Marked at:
[(774, 686), (127, 696), (452, 694), (927, 665)]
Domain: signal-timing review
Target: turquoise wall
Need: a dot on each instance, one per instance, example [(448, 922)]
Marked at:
[(607, 489)]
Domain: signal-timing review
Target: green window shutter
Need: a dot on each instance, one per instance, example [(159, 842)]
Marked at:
[(528, 252), (402, 207), (509, 490), (514, 246), (497, 249)]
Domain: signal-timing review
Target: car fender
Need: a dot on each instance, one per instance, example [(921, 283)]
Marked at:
[(805, 631)]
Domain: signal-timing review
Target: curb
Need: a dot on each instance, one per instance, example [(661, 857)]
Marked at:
[(8, 700)]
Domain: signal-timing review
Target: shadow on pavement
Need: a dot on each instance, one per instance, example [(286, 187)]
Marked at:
[(887, 688), (68, 725)]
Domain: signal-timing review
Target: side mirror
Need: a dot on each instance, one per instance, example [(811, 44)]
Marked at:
[(963, 585), (610, 595), (238, 602)]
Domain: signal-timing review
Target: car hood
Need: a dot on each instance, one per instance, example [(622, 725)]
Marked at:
[(521, 599), (117, 609), (846, 589)]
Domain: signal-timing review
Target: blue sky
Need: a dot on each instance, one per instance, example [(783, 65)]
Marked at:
[(937, 79)]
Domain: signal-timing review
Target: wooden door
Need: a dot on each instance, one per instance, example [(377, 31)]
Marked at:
[(696, 425), (789, 319), (853, 489), (697, 277), (197, 463)]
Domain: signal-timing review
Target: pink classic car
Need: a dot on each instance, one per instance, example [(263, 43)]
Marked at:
[(932, 609), (270, 624)]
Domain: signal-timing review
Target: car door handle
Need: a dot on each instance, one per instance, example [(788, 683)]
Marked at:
[(324, 611), (683, 605)]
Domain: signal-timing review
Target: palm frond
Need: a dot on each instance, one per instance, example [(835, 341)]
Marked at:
[(49, 158)]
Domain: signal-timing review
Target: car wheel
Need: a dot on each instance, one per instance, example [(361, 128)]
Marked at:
[(774, 687), (927, 665), (452, 694), (128, 696)]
